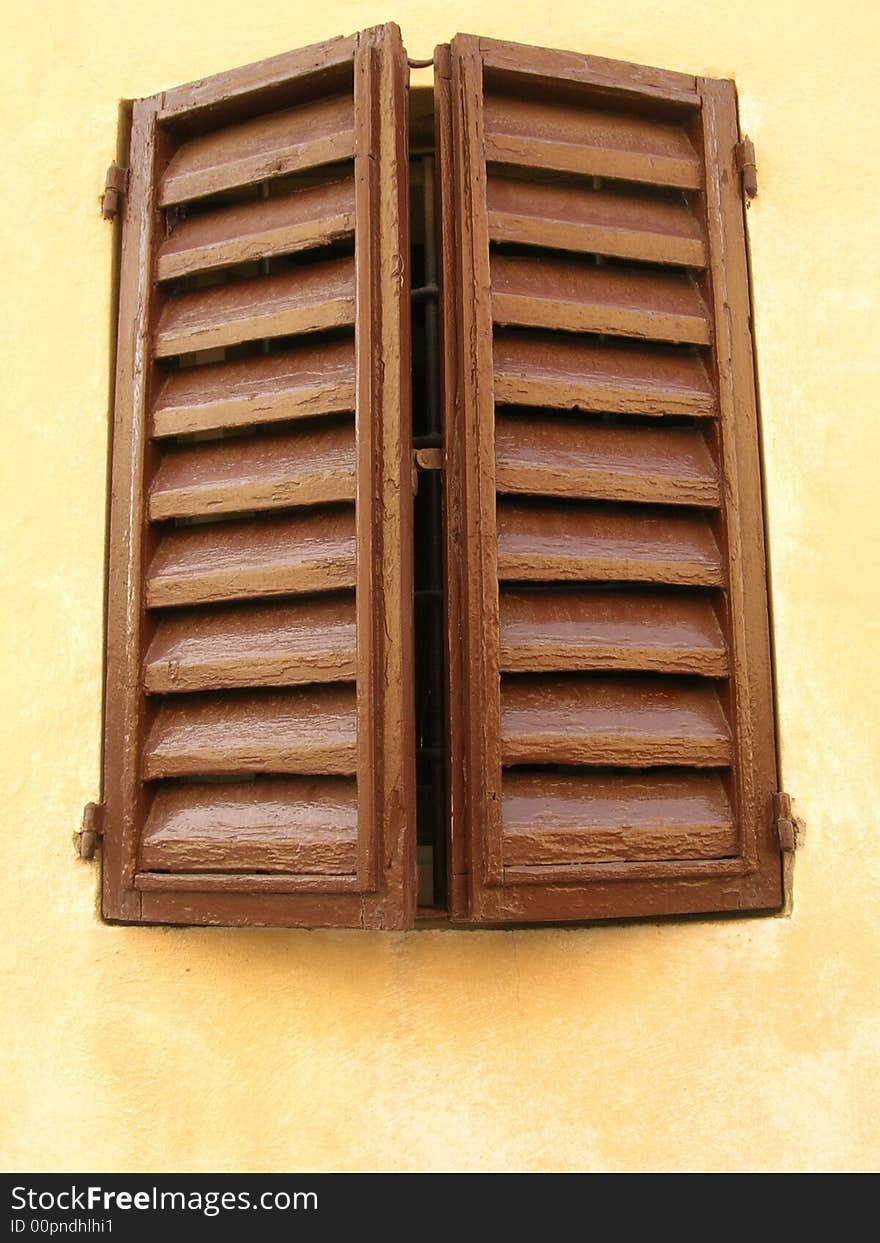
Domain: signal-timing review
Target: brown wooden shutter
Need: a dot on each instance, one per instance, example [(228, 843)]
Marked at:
[(258, 738), (612, 744)]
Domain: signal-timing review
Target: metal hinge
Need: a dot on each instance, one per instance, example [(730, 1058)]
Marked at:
[(92, 829), (744, 159), (115, 186), (788, 830)]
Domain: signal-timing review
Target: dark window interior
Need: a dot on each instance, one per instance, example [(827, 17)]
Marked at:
[(430, 637)]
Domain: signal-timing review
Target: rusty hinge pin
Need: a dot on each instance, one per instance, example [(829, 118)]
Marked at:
[(744, 157), (786, 827), (92, 829), (115, 186)]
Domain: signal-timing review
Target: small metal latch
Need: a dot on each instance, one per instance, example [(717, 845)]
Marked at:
[(425, 459), (744, 158), (786, 825), (92, 829), (429, 459), (115, 186)]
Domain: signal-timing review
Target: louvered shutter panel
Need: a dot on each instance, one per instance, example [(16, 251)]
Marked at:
[(612, 745), (258, 747)]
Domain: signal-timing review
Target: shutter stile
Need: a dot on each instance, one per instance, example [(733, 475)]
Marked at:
[(263, 733), (608, 637)]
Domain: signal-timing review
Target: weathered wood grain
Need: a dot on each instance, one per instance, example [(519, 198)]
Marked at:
[(215, 99), (748, 619), (385, 685), (124, 706), (619, 80), (468, 284), (202, 886), (578, 139), (254, 907), (458, 717)]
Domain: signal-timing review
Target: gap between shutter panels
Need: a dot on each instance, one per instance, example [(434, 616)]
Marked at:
[(596, 419), (257, 697)]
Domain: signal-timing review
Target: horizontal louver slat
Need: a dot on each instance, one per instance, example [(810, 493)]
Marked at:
[(305, 640), (663, 632), (295, 384), (615, 721), (578, 139), (558, 456), (603, 222), (309, 731), (241, 234), (567, 819), (236, 560), (587, 375), (308, 299), (272, 824), (306, 466), (574, 295), (316, 133), (589, 543)]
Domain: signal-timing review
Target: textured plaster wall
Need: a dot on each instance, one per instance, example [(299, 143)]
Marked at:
[(700, 1045)]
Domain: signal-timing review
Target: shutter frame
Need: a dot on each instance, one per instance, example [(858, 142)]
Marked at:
[(482, 889), (750, 625), (381, 892)]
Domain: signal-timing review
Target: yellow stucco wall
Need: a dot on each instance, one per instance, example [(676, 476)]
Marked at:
[(728, 1045)]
